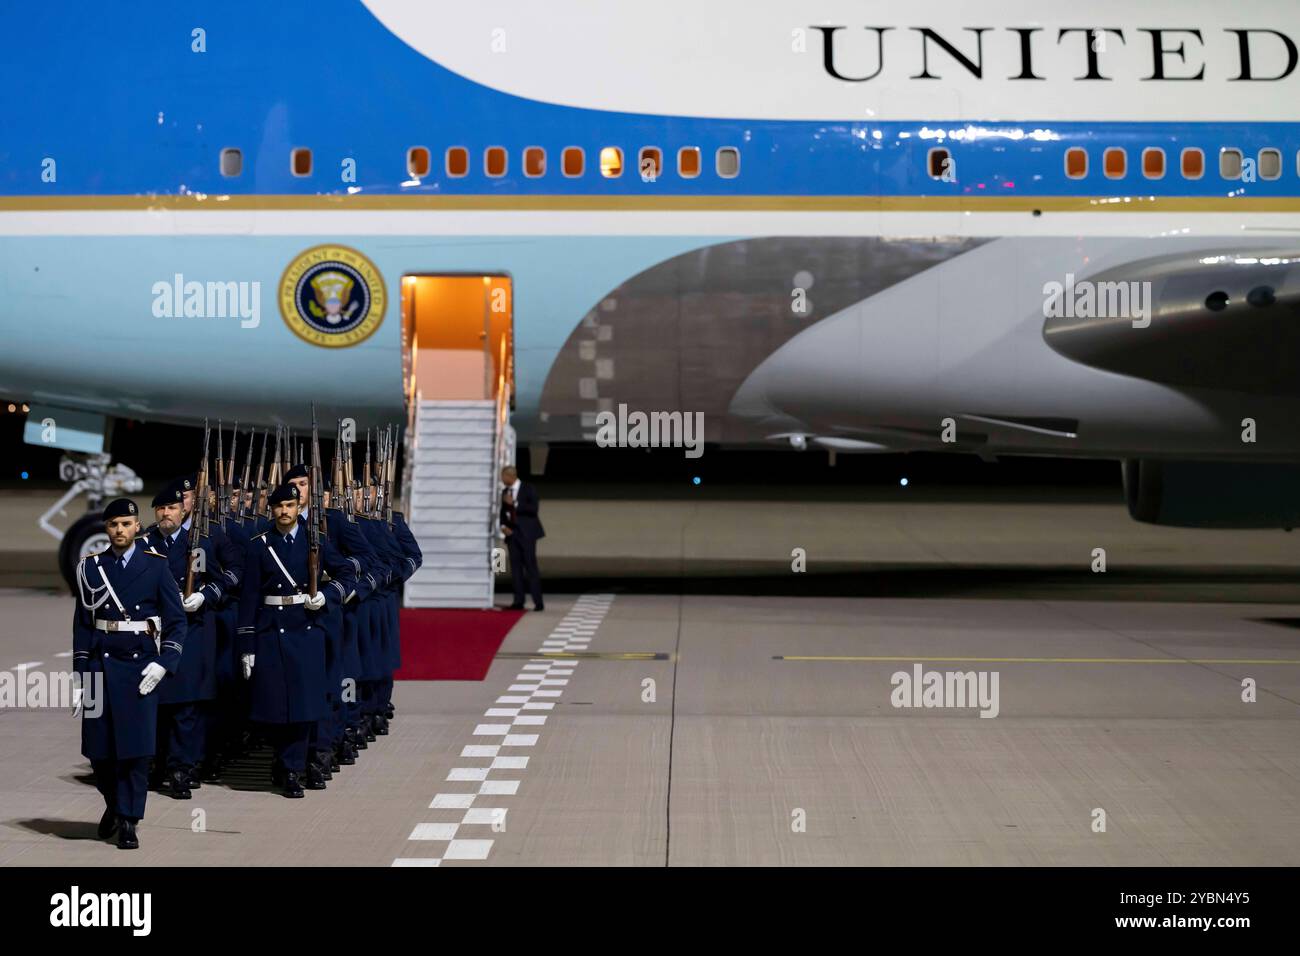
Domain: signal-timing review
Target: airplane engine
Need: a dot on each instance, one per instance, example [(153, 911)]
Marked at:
[(1211, 494)]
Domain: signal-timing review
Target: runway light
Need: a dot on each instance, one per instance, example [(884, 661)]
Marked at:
[(695, 480), (24, 476), (903, 482)]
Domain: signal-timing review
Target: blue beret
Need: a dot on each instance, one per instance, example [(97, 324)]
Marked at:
[(121, 508), (285, 492), (297, 471), (170, 495)]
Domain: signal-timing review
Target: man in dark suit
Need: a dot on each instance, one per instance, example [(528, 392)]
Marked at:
[(522, 529)]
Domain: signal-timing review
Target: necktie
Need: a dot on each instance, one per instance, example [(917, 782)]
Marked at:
[(288, 541), (121, 562)]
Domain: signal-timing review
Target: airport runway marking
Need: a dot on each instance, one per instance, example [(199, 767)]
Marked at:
[(589, 655), (1036, 660), (545, 675)]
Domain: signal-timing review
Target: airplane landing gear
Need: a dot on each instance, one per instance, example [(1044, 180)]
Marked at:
[(100, 480)]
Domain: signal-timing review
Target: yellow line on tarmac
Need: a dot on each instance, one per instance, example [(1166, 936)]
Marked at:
[(1043, 660)]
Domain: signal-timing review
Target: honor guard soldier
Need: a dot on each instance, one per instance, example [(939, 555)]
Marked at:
[(326, 748), (128, 634), (180, 724), (224, 720), (281, 634)]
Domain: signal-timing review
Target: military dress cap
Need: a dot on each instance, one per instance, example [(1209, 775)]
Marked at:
[(121, 508), (170, 495), (285, 492), (297, 471)]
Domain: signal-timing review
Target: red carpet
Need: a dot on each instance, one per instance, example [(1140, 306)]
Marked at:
[(451, 644)]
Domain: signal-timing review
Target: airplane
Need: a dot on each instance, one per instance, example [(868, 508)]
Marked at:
[(999, 228)]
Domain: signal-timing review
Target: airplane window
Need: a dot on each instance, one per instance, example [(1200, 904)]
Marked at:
[(611, 162), (728, 162), (300, 161), (572, 161), (232, 162), (1193, 161), (1114, 163), (688, 162), (418, 162), (1153, 163), (534, 161), (650, 163), (1076, 162), (494, 161), (457, 161), (938, 162), (1270, 163), (1230, 163)]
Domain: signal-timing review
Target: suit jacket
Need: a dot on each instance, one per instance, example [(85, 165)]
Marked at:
[(522, 520)]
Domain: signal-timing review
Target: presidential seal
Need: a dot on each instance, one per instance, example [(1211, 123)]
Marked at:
[(332, 296)]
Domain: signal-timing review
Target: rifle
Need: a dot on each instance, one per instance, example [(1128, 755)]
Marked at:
[(243, 481), (390, 462), (273, 476), (349, 505), (316, 526), (197, 517), (223, 490), (365, 497), (254, 498)]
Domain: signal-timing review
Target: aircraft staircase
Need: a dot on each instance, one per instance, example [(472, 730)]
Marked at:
[(454, 452)]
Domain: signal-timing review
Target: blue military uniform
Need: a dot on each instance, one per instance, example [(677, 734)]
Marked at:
[(289, 685), (181, 725), (227, 713), (128, 616)]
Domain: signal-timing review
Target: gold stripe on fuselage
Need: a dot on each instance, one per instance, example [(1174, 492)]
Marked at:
[(191, 202)]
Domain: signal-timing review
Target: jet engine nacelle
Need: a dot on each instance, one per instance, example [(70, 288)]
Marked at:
[(1212, 494)]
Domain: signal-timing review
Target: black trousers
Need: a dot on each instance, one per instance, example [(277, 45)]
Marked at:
[(523, 568), (124, 785), (289, 742)]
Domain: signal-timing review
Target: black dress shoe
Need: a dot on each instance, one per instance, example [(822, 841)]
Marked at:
[(193, 778), (178, 786), (292, 788), (381, 726), (211, 772), (334, 765), (107, 824), (315, 779), (126, 838), (347, 757), (540, 607), (388, 711)]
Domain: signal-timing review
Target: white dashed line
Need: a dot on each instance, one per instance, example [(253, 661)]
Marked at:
[(536, 679)]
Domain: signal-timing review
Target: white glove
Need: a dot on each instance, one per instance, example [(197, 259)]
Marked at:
[(78, 693), (152, 674), (193, 602), (247, 661), (315, 601)]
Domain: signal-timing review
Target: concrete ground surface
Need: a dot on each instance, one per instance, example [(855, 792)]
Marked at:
[(754, 729)]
